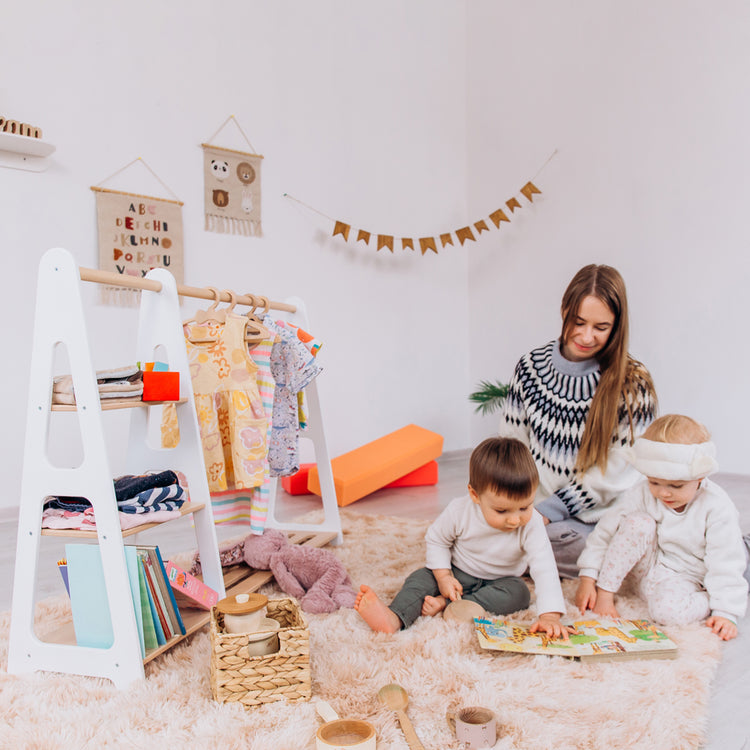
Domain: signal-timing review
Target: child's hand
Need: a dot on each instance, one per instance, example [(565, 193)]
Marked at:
[(585, 594), (605, 604), (450, 588), (550, 623), (725, 629)]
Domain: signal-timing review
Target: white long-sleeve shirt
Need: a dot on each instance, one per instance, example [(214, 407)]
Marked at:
[(703, 543), (460, 536)]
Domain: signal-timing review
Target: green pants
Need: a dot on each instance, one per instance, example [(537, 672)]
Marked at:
[(500, 596)]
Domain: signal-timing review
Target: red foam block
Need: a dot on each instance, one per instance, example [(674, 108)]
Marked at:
[(421, 477)]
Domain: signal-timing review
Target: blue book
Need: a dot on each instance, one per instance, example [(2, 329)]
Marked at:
[(88, 595), (168, 589), (131, 560)]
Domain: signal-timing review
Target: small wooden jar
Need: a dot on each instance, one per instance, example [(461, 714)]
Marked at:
[(243, 613)]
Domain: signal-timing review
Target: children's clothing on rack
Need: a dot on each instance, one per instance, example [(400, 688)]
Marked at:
[(252, 508), (230, 412), (293, 367), (250, 407)]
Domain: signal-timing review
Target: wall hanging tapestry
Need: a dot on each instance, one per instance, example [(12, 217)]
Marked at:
[(231, 182), (137, 233), (441, 239)]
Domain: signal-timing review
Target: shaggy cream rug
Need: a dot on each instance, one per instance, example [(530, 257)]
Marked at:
[(541, 702)]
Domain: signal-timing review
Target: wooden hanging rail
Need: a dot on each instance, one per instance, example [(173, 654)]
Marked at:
[(132, 282)]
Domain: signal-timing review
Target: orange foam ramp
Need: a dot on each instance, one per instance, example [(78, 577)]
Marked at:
[(376, 464)]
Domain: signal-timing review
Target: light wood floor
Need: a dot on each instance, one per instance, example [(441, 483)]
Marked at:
[(729, 728)]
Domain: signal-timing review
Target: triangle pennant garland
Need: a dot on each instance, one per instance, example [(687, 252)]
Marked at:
[(463, 234)]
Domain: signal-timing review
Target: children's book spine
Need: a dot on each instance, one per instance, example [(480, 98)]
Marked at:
[(161, 611), (149, 631), (167, 590), (160, 637)]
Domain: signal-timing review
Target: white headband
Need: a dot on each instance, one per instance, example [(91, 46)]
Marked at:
[(672, 460)]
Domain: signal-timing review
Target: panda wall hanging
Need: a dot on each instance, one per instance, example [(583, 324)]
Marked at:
[(231, 181)]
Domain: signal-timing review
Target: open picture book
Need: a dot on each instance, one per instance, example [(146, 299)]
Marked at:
[(592, 639)]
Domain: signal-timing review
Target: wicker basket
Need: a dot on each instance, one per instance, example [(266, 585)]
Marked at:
[(237, 677)]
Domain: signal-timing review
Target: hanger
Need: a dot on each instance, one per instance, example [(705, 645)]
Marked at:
[(255, 331), (213, 316)]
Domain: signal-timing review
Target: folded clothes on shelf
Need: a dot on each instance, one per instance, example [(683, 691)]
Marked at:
[(120, 382), (155, 496)]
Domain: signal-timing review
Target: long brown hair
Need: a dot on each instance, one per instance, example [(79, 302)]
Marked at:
[(622, 377)]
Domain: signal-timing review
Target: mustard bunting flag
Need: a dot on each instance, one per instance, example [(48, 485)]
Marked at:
[(512, 204), (342, 229), (530, 189), (464, 234), (427, 243), (385, 240)]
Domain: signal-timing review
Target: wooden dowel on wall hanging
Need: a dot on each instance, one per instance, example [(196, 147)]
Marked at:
[(198, 292)]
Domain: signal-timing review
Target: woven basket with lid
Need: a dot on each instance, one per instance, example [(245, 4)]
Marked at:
[(237, 677)]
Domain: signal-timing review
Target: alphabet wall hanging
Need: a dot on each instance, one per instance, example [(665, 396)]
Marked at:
[(137, 233)]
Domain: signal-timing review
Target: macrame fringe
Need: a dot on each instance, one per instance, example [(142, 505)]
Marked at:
[(227, 225), (120, 295)]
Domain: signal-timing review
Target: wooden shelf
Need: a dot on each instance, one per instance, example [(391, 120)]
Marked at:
[(92, 534), (109, 404)]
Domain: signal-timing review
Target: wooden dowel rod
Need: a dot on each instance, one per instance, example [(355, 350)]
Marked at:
[(133, 282)]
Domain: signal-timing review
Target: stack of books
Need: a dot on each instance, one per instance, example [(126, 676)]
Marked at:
[(154, 602)]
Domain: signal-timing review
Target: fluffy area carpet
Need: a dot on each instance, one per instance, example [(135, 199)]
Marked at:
[(541, 702)]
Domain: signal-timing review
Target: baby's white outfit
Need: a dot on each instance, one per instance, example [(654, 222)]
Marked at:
[(690, 564)]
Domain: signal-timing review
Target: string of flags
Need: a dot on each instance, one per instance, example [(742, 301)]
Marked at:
[(463, 234)]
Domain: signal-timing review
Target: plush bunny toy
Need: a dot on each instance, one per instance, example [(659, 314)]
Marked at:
[(314, 576)]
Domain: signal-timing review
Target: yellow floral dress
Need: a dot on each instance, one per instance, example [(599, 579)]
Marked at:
[(231, 417)]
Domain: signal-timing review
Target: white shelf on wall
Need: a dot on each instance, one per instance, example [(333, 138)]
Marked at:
[(24, 152)]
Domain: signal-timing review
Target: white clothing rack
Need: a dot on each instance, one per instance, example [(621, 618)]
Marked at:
[(59, 319)]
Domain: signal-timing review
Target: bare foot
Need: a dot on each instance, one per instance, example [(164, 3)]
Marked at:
[(375, 613), (433, 605)]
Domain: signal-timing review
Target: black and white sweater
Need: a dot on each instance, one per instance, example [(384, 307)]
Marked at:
[(547, 405)]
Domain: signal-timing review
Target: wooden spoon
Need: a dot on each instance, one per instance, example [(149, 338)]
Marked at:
[(394, 697)]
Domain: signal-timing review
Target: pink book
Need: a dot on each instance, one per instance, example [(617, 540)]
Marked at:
[(189, 590)]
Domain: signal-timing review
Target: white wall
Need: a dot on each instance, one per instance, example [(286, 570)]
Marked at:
[(647, 106), (359, 111), (411, 119)]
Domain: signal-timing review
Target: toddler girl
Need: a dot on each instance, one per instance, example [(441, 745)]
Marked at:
[(677, 531)]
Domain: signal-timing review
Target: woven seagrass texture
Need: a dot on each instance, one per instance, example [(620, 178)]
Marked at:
[(237, 677)]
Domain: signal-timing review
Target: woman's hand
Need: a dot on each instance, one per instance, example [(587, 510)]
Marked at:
[(585, 594), (725, 629), (549, 622)]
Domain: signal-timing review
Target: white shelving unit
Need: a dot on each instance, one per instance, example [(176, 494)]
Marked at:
[(59, 319), (24, 152)]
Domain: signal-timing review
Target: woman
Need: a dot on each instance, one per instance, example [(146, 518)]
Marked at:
[(576, 402)]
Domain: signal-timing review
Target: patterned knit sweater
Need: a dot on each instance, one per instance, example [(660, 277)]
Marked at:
[(546, 408)]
